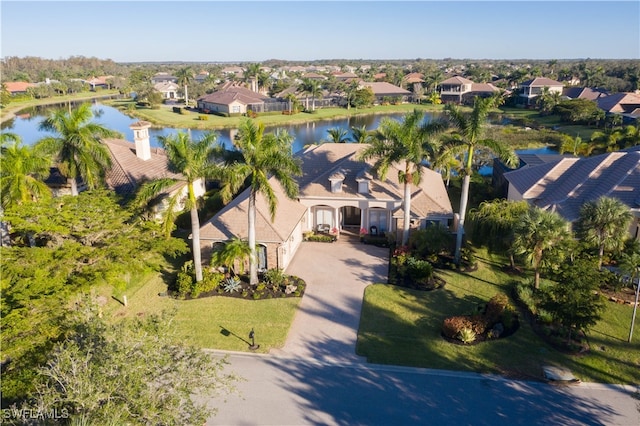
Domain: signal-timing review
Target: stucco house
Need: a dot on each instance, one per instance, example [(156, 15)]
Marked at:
[(383, 91), (17, 87), (336, 191), (462, 90), (232, 100), (566, 184), (162, 77), (531, 89), (168, 89), (625, 104)]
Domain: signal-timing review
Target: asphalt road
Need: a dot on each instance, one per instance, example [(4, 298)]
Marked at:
[(299, 391)]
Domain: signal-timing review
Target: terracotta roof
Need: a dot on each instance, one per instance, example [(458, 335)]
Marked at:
[(18, 86), (382, 88), (457, 80), (329, 160), (232, 219), (414, 77), (314, 76), (565, 185), (128, 171), (541, 82)]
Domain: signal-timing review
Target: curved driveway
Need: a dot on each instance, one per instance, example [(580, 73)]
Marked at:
[(325, 326)]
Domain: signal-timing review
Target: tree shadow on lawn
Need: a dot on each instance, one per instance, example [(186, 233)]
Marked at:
[(374, 394)]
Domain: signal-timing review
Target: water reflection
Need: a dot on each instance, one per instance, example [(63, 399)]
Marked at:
[(26, 125)]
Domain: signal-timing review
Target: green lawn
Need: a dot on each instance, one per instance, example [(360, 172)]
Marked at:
[(402, 327), (215, 322)]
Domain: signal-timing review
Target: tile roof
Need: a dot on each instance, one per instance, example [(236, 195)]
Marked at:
[(232, 219), (617, 102), (17, 86), (584, 93), (128, 171), (234, 93), (484, 87), (457, 80), (565, 185), (330, 160), (541, 82), (381, 88)]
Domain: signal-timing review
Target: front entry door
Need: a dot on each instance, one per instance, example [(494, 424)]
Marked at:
[(351, 217)]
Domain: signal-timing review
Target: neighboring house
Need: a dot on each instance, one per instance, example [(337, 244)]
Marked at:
[(233, 100), (531, 89), (384, 91), (136, 163), (168, 89), (625, 104), (336, 191), (18, 87), (201, 77), (98, 82), (314, 76), (346, 76), (163, 77), (462, 90), (59, 185), (584, 93), (568, 183)]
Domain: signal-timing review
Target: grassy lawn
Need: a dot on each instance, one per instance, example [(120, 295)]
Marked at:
[(215, 322), (402, 327), (166, 117)]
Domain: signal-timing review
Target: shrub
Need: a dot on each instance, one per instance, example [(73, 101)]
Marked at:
[(177, 109), (524, 293), (185, 280), (453, 325), (496, 307), (466, 335), (419, 270), (203, 117), (275, 276), (231, 284)]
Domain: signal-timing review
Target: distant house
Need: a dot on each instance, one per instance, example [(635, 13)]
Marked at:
[(99, 82), (566, 184), (384, 91), (168, 89), (17, 87), (346, 76), (337, 191), (625, 104), (584, 93), (461, 90), (314, 76), (201, 77), (233, 100), (163, 77), (531, 89)]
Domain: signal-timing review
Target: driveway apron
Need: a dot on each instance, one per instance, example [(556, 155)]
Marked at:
[(325, 326)]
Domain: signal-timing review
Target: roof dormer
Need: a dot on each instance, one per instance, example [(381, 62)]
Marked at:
[(337, 179)]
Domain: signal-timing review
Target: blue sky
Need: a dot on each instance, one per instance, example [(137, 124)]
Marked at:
[(223, 31)]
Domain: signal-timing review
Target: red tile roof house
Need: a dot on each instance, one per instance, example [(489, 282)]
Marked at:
[(566, 184), (461, 90), (336, 191), (17, 87), (531, 89)]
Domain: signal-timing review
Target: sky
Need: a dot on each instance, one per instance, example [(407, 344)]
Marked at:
[(245, 31)]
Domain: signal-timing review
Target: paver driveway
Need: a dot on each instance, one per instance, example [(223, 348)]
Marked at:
[(325, 326)]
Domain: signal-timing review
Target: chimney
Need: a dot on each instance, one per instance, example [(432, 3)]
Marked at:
[(141, 138)]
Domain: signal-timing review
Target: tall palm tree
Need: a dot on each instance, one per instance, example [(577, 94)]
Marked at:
[(408, 143), (22, 171), (338, 135), (258, 158), (76, 146), (311, 87), (467, 138), (537, 235), (193, 160), (252, 72), (604, 223), (185, 77), (361, 134)]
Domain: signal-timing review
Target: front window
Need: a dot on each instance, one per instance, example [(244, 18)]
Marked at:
[(324, 218), (378, 219)]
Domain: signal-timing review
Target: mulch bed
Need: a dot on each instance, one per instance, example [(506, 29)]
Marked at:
[(261, 291)]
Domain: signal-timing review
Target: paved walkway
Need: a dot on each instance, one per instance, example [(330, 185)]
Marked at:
[(326, 324)]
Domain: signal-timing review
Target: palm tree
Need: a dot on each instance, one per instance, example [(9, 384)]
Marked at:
[(311, 87), (408, 143), (361, 134), (234, 250), (76, 146), (22, 171), (185, 77), (575, 146), (258, 158), (604, 223), (537, 235), (338, 135), (193, 160), (466, 140)]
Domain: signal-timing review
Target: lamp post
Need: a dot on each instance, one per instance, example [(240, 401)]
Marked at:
[(252, 336)]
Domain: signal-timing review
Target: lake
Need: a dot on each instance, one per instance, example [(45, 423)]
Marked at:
[(26, 126)]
